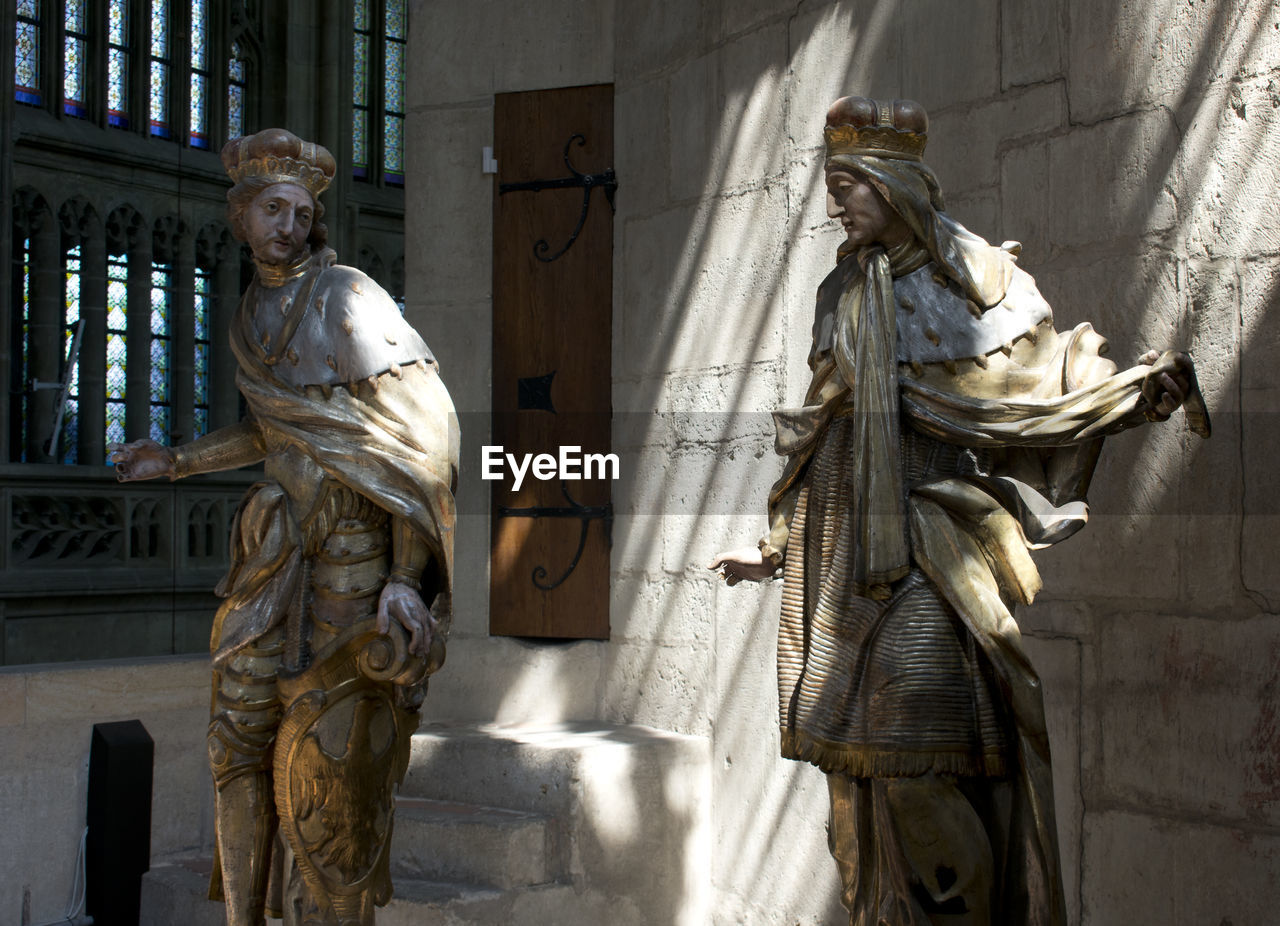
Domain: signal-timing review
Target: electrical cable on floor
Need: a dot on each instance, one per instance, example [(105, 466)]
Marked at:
[(71, 917)]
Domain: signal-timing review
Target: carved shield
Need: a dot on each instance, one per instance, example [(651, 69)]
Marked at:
[(336, 762)]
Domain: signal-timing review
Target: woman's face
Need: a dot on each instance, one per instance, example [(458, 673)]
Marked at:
[(860, 208), (276, 224)]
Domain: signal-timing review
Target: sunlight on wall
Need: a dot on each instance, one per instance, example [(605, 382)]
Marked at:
[(1131, 148)]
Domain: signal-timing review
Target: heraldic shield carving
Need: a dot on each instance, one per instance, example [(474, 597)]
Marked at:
[(341, 749)]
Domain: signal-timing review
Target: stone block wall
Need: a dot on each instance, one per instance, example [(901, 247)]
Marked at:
[(47, 715), (1132, 148)]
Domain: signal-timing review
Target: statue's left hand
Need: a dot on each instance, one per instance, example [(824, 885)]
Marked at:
[(404, 604), (1165, 390)]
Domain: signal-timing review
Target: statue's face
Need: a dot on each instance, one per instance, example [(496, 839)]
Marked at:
[(277, 223), (859, 206)]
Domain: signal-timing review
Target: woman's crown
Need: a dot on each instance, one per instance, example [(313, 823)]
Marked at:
[(857, 125)]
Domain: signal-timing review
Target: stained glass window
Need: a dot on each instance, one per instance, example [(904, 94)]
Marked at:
[(236, 71), (393, 142), (70, 321), (161, 303), (377, 120), (360, 93), (160, 68), (394, 39), (118, 64), (360, 144), (117, 340), (396, 25), (204, 287), (26, 53), (74, 47), (199, 132)]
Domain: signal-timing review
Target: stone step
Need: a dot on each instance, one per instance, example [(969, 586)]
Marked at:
[(427, 903), (631, 803), (546, 768), (602, 824), (177, 891), (174, 894), (470, 843)]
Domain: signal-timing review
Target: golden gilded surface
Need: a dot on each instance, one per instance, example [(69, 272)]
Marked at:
[(282, 170), (949, 430), (881, 141), (338, 599), (340, 750)]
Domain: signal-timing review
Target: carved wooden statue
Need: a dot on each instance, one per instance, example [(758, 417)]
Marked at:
[(324, 640), (948, 430)]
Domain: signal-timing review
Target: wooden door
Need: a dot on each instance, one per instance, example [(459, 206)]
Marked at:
[(552, 324)]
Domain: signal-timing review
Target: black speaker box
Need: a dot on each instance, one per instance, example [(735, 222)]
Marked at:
[(118, 851)]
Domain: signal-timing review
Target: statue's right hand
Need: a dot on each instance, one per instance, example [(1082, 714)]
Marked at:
[(745, 564), (141, 459)]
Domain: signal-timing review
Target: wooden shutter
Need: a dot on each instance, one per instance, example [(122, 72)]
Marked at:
[(552, 324)]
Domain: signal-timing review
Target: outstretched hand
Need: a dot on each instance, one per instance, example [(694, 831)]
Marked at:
[(405, 604), (1165, 391), (745, 564), (141, 459)]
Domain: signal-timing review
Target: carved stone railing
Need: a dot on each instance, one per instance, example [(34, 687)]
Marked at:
[(82, 554)]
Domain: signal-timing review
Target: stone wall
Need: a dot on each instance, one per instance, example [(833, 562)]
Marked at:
[(47, 715), (1132, 148)]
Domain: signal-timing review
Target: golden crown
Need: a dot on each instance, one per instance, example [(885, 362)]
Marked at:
[(282, 170), (279, 156), (881, 141)]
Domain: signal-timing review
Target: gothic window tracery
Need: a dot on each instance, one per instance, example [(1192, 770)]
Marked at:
[(144, 366), (96, 241)]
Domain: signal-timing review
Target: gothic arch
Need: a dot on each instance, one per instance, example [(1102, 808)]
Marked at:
[(79, 222), (30, 212), (124, 228), (246, 29), (370, 263), (214, 245), (168, 234)]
